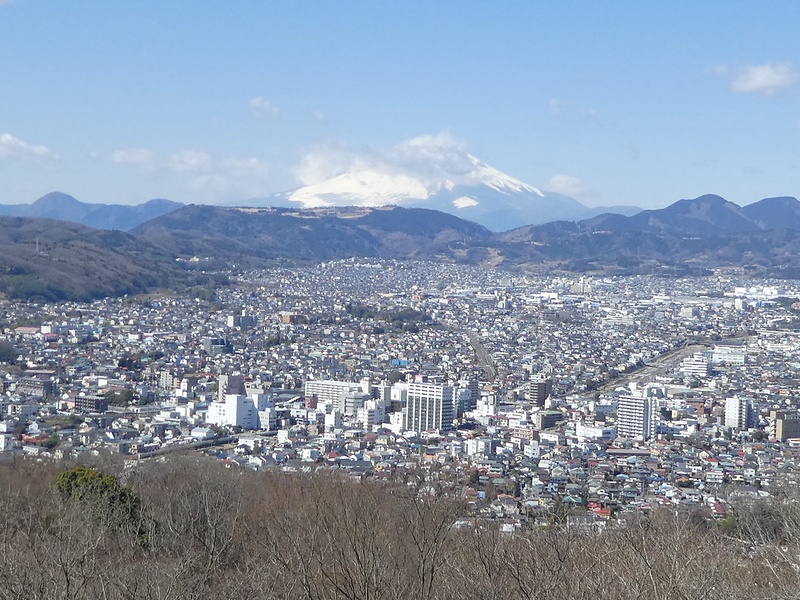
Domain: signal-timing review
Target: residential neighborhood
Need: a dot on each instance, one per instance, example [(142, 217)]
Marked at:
[(522, 395)]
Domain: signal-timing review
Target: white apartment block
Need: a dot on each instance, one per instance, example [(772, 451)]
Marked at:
[(637, 417), (329, 392), (238, 410), (428, 407), (698, 365), (737, 412)]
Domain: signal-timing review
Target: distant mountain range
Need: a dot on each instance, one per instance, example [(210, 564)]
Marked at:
[(54, 259), (688, 236), (707, 215), (63, 207), (459, 184)]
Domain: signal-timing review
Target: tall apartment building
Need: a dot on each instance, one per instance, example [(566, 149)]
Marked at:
[(469, 400), (539, 390), (637, 417), (429, 406), (738, 413)]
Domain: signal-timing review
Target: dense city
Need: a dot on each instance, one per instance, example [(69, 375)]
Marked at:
[(521, 394)]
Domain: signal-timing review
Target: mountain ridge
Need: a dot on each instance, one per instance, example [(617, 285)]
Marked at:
[(703, 233), (708, 214), (59, 260), (63, 207)]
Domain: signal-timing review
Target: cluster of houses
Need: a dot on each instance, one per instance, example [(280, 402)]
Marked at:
[(520, 394)]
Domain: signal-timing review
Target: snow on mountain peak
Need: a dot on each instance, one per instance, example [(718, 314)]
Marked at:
[(498, 180), (364, 188)]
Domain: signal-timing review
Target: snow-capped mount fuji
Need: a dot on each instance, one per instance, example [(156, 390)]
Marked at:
[(477, 192)]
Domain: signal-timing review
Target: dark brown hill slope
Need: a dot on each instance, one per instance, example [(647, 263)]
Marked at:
[(56, 260)]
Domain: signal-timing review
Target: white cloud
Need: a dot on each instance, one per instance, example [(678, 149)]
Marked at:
[(429, 158), (201, 172), (262, 107), (137, 157), (433, 158), (13, 147), (569, 186), (465, 202), (767, 79), (327, 159), (191, 161)]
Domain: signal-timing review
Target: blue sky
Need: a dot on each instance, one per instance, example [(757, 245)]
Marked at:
[(218, 101)]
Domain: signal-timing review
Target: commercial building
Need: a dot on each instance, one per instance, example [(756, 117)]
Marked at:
[(697, 365), (548, 418)]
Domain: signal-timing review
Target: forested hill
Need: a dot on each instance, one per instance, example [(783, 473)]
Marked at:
[(190, 528), (56, 260)]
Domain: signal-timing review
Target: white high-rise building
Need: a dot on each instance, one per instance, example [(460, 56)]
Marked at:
[(428, 406), (737, 412), (637, 417), (332, 420)]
